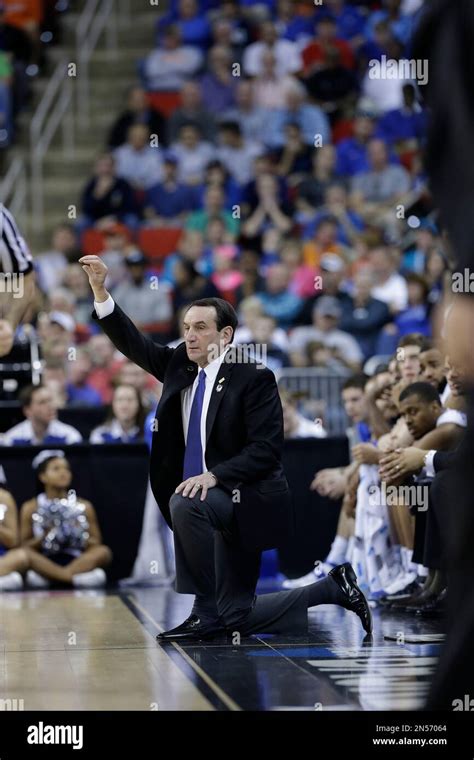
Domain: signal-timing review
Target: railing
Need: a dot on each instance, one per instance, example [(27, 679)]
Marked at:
[(55, 110), (319, 391), (14, 192), (98, 16)]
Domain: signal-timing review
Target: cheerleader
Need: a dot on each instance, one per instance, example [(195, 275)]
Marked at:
[(59, 530)]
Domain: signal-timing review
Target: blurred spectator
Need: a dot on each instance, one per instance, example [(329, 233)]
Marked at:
[(169, 200), (147, 385), (75, 282), (362, 315), (319, 355), (193, 25), (218, 85), (190, 285), (145, 304), (400, 24), (216, 175), (252, 281), (436, 268), (171, 64), (250, 311), (404, 126), (41, 426), (137, 112), (191, 111), (311, 119), (294, 159), (352, 151), (190, 248), (107, 196), (291, 25), (277, 299), (51, 264), (349, 21), (390, 287), (382, 186), (414, 259), (324, 241), (336, 206), (137, 161), (287, 56), (248, 112), (331, 275), (311, 190), (6, 105), (327, 314), (236, 153), (193, 154), (226, 276), (79, 391), (213, 207), (265, 349), (333, 85), (268, 212), (385, 93), (315, 55), (415, 317), (104, 366), (270, 89), (295, 425), (125, 420), (302, 276), (116, 246)]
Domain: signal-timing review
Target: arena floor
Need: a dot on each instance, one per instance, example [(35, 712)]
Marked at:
[(93, 650)]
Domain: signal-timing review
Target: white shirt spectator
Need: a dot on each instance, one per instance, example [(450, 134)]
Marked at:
[(142, 168), (287, 55), (384, 94), (279, 337), (272, 93), (57, 433), (113, 432), (239, 161), (169, 69), (393, 292), (192, 162), (307, 429), (344, 343), (143, 304)]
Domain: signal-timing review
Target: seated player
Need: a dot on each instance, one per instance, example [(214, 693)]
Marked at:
[(60, 531)]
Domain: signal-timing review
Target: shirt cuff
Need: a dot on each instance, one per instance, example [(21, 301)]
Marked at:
[(429, 465), (104, 308)]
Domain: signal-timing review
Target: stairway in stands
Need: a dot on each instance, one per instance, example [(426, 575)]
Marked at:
[(109, 80)]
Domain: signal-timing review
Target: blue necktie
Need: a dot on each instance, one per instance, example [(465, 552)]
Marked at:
[(193, 454)]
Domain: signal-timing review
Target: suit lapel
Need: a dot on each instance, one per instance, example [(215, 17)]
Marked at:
[(219, 388)]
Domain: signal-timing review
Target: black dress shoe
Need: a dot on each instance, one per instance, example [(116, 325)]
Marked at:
[(355, 600), (192, 628), (435, 607)]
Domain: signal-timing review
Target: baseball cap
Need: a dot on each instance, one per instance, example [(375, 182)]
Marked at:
[(331, 262), (136, 257), (62, 319)]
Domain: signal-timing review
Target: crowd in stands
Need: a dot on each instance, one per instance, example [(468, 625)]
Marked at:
[(27, 29)]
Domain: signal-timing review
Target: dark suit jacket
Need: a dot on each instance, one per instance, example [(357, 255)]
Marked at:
[(446, 460), (244, 427)]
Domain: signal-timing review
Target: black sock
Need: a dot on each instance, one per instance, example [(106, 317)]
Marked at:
[(205, 607), (325, 591)]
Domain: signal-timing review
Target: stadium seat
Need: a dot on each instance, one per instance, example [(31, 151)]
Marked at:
[(92, 241), (166, 102), (159, 242)]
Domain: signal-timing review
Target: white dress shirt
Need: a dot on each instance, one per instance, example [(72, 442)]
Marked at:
[(105, 308)]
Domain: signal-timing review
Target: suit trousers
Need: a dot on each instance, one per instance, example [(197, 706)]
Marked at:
[(211, 561)]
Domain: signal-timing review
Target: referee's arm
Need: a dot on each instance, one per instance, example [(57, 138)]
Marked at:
[(17, 279)]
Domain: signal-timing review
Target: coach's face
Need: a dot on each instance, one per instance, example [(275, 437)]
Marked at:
[(204, 342)]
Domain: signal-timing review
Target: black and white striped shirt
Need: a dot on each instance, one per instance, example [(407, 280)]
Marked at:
[(15, 256)]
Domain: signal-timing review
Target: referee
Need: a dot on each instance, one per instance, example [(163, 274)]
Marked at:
[(17, 279)]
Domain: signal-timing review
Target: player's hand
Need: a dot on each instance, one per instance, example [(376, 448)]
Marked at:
[(191, 486), (96, 271), (7, 335)]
